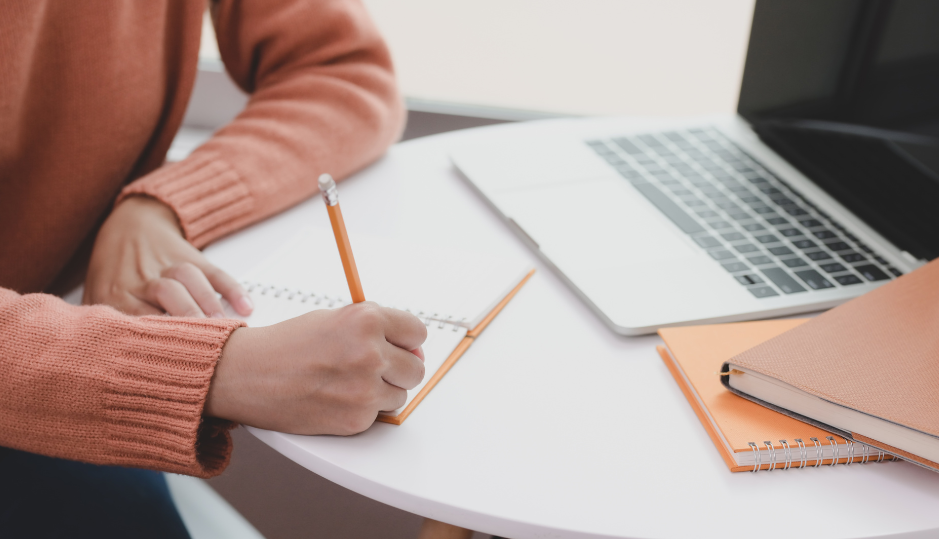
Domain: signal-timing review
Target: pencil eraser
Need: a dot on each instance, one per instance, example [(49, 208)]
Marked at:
[(326, 182)]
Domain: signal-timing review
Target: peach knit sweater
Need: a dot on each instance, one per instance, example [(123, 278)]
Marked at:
[(91, 95)]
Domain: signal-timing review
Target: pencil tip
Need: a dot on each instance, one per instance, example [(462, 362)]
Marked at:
[(326, 182)]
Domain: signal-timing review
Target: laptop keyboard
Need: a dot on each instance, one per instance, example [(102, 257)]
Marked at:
[(763, 232)]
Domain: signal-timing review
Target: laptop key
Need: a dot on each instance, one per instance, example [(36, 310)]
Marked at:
[(754, 227), (766, 238), (795, 211), (810, 223), (838, 246), (776, 221), (762, 291), (627, 146), (720, 254), (782, 279), (707, 214), (795, 262), (790, 232), (717, 225), (707, 242), (733, 236), (824, 234), (760, 260), (814, 279), (853, 257), (734, 267), (872, 273), (894, 271), (746, 248), (848, 279), (804, 244), (781, 251), (833, 267), (749, 279), (818, 255), (764, 210), (741, 216), (671, 210)]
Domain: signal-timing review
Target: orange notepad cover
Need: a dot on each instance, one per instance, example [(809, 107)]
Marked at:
[(699, 352)]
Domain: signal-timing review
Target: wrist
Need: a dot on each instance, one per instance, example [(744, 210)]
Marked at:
[(142, 208), (223, 388)]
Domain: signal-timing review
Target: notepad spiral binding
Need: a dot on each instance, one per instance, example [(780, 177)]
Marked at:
[(786, 452), (291, 294)]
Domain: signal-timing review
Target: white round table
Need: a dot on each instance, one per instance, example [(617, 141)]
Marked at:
[(551, 425)]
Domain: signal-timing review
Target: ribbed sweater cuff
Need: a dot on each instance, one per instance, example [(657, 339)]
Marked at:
[(154, 399), (207, 194)]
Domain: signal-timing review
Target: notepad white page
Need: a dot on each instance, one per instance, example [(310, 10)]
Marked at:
[(441, 282), (306, 275)]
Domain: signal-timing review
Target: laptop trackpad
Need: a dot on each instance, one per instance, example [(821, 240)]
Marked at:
[(596, 224)]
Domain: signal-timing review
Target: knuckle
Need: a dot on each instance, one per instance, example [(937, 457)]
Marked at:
[(159, 287), (370, 316)]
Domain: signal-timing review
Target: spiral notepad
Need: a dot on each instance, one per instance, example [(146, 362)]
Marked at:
[(749, 437), (456, 293)]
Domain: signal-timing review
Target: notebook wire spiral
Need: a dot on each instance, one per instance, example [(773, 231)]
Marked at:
[(334, 302), (785, 457)]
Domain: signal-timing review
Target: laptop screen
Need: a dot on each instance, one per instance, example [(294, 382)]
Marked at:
[(848, 92)]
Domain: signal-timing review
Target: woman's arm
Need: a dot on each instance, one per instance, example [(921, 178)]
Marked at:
[(323, 99), (90, 384)]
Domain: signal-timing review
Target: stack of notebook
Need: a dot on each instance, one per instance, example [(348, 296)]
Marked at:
[(749, 436), (857, 383)]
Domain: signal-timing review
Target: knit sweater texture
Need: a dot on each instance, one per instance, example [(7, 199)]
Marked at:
[(91, 96)]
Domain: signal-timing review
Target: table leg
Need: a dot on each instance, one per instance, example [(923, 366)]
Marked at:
[(433, 529)]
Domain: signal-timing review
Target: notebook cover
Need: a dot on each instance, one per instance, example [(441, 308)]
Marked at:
[(461, 348), (878, 354), (700, 351)]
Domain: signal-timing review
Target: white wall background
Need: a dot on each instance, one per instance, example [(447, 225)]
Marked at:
[(582, 57), (662, 57)]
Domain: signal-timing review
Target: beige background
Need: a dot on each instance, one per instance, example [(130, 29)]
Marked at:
[(583, 57)]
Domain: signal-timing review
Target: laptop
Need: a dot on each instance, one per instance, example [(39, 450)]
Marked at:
[(823, 186)]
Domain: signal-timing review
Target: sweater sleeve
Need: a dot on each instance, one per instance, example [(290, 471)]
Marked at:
[(91, 384), (323, 99)]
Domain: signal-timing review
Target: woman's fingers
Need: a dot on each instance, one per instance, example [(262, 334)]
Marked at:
[(403, 329), (392, 398), (404, 369), (198, 286), (135, 307), (173, 297), (230, 289)]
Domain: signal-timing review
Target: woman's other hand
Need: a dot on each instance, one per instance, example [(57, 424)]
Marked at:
[(142, 264)]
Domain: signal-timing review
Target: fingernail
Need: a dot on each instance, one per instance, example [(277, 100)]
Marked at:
[(245, 304)]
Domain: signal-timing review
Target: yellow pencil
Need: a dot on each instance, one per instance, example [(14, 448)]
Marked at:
[(331, 197)]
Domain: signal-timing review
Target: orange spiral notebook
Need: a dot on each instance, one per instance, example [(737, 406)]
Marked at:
[(456, 293), (749, 437)]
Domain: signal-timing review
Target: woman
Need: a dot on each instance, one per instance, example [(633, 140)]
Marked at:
[(91, 95)]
